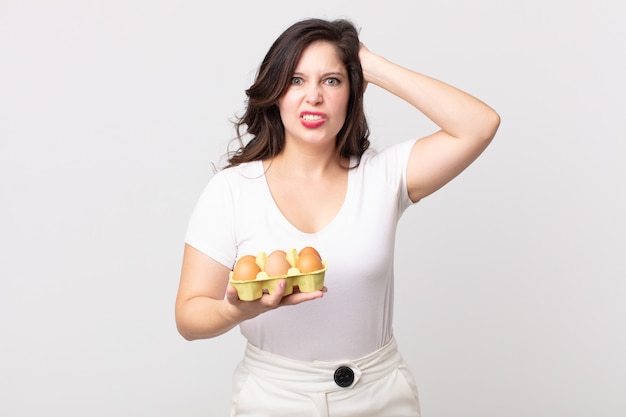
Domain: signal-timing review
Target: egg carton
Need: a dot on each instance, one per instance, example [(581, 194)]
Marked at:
[(250, 290)]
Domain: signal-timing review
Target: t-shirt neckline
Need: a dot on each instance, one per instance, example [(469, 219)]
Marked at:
[(279, 214)]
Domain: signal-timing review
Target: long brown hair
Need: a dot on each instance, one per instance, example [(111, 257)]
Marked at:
[(261, 120)]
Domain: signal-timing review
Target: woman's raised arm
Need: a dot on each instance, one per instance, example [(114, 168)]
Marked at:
[(467, 124)]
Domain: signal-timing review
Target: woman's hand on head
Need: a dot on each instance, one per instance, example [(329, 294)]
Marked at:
[(363, 51), (364, 54)]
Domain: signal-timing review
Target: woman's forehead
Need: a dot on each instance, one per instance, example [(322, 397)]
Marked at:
[(320, 55)]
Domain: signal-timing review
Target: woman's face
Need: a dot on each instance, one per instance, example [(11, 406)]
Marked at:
[(313, 108)]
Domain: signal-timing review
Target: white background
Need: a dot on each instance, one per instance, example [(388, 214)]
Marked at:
[(510, 280)]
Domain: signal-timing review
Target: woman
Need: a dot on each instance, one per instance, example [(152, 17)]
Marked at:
[(307, 177)]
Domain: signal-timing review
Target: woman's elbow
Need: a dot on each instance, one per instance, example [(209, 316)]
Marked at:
[(492, 123), (183, 326), (184, 332)]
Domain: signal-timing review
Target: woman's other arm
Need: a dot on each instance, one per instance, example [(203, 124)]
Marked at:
[(467, 124), (207, 306)]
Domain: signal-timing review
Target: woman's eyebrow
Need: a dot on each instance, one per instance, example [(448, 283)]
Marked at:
[(326, 74)]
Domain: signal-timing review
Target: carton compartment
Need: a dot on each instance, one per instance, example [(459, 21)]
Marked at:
[(254, 289)]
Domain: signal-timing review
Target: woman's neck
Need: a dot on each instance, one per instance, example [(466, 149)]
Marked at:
[(305, 163)]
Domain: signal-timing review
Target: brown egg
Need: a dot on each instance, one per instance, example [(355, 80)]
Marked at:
[(310, 249), (248, 258), (309, 262), (245, 270), (276, 263)]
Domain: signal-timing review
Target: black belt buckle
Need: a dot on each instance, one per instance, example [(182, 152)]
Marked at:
[(344, 376)]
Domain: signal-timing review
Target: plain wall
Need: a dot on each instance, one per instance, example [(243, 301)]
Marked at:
[(510, 280)]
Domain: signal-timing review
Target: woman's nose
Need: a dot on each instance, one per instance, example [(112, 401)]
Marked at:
[(314, 95)]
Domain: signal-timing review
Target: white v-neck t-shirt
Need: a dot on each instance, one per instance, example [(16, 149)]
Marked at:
[(236, 215)]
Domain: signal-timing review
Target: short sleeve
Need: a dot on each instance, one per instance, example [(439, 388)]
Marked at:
[(392, 162), (211, 226)]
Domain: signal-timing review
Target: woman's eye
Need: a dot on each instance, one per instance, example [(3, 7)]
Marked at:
[(333, 81), (296, 81)]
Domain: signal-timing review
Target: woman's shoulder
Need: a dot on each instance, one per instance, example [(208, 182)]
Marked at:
[(245, 178), (234, 182), (396, 153), (246, 170)]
